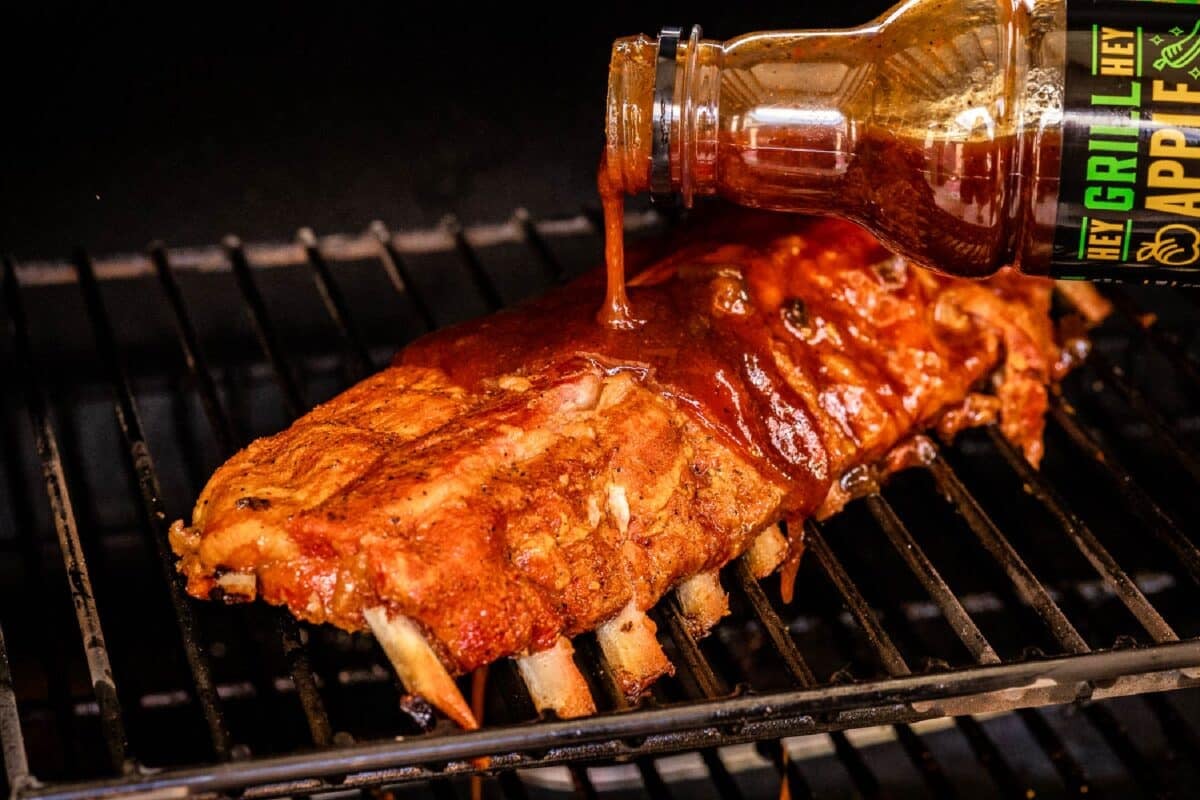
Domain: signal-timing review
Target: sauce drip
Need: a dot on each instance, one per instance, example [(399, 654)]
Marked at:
[(615, 312)]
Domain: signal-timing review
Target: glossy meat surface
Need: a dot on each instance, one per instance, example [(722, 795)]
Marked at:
[(527, 475)]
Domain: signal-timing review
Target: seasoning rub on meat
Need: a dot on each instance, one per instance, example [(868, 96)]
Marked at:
[(514, 481)]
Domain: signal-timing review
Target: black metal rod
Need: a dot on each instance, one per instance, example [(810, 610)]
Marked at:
[(533, 239), (1086, 542), (62, 511), (781, 640), (943, 596), (702, 682), (396, 269), (725, 785), (1068, 769), (1116, 736), (582, 782), (676, 727), (885, 651), (470, 259), (1028, 588), (1033, 592), (154, 515), (511, 785), (52, 647), (776, 629), (923, 759), (652, 781), (992, 759), (794, 785), (1181, 736), (889, 657), (335, 304), (295, 653), (16, 761), (1167, 437), (1131, 491), (260, 320), (223, 427)]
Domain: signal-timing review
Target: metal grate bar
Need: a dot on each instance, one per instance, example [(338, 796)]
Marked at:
[(920, 565), (289, 632), (795, 786), (512, 786), (335, 303), (1116, 736), (1134, 495), (63, 512), (702, 682), (223, 427), (922, 757), (1180, 735), (153, 512), (399, 276), (1083, 538), (1068, 769), (781, 640), (470, 259), (51, 646), (885, 651), (582, 782), (981, 744), (991, 759), (260, 319), (1114, 377), (16, 763), (684, 726), (1145, 326), (814, 541), (1029, 589), (775, 627), (652, 780), (533, 239)]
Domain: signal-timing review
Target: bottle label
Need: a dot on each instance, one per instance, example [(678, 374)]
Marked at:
[(1129, 202)]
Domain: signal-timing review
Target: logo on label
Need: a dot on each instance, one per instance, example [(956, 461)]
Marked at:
[(1181, 53), (1175, 245)]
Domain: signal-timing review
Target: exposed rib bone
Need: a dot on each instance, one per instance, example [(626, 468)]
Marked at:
[(633, 653), (703, 602), (767, 553), (418, 666), (554, 682)]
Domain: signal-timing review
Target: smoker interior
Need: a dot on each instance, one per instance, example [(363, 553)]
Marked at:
[(975, 576)]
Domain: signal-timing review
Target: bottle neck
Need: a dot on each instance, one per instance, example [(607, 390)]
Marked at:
[(662, 114)]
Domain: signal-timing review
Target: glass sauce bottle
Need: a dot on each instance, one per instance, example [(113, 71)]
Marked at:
[(1061, 137)]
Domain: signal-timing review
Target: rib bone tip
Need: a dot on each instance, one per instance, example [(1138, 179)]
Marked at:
[(418, 666), (555, 683)]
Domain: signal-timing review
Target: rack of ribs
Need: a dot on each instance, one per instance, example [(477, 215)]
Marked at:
[(511, 482)]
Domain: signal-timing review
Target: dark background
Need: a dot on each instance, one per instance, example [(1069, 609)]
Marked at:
[(124, 126)]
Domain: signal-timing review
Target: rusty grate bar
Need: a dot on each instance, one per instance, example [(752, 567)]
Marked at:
[(63, 513), (260, 319), (288, 630), (154, 513), (1142, 504), (470, 259), (335, 305), (16, 763), (1086, 542), (398, 275), (534, 240)]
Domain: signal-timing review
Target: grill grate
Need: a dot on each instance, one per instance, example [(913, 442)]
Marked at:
[(898, 657)]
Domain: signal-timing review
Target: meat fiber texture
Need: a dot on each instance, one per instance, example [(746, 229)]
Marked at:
[(529, 475)]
